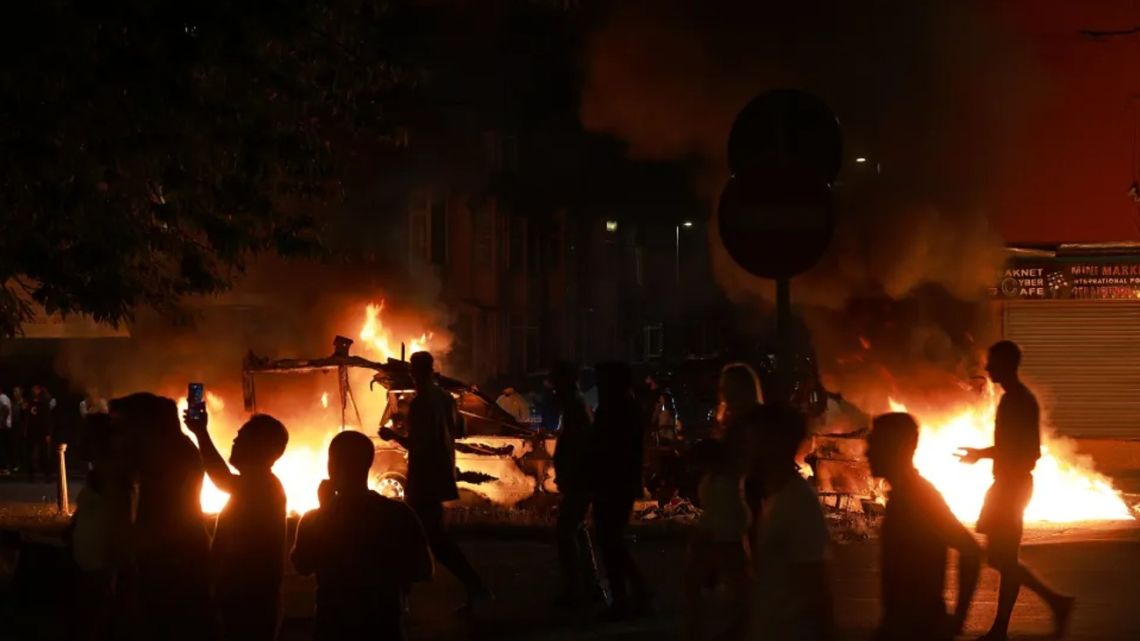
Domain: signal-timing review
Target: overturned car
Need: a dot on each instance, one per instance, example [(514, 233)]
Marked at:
[(498, 460)]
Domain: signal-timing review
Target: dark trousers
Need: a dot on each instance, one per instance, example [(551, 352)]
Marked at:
[(38, 452), (611, 518), (446, 552), (252, 619), (6, 445), (575, 554)]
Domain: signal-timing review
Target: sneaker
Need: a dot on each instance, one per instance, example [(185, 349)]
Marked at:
[(1062, 611)]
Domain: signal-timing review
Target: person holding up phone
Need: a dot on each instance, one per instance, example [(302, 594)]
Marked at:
[(247, 555), (366, 550)]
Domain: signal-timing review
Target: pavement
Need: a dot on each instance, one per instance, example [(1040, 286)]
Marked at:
[(1097, 562)]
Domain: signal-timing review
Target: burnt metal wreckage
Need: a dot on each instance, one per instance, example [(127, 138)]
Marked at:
[(498, 459)]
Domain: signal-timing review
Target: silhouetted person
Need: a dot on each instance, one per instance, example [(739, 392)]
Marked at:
[(917, 531), (617, 456), (366, 550), (97, 533), (572, 475), (39, 435), (740, 418), (791, 545), (1016, 448), (247, 555), (719, 545), (171, 544), (433, 422)]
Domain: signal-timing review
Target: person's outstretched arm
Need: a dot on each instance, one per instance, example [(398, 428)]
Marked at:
[(973, 454), (212, 460)]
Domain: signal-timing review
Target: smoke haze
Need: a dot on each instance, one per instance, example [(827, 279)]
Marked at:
[(933, 94)]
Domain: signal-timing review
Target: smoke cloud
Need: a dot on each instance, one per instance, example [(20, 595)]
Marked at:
[(932, 94)]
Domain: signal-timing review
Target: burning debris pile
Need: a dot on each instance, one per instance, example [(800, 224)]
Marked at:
[(1067, 487)]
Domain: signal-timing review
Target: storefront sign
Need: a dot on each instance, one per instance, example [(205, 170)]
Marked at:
[(1069, 280)]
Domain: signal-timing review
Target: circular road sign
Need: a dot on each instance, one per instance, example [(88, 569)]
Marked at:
[(786, 127)]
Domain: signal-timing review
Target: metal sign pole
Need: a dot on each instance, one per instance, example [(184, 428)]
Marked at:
[(784, 328)]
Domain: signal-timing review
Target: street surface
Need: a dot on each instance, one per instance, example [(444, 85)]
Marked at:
[(1098, 563)]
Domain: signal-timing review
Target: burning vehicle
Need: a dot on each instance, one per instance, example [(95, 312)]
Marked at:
[(498, 459)]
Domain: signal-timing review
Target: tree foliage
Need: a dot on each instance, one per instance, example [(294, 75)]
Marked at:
[(147, 149)]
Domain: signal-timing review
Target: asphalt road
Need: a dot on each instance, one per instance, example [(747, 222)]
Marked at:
[(1097, 563)]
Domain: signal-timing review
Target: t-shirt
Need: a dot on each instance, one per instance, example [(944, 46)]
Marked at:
[(6, 410), (364, 550), (915, 538), (248, 551), (1017, 434), (431, 446), (791, 532), (725, 516)]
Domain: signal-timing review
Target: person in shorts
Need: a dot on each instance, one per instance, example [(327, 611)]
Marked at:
[(1016, 448)]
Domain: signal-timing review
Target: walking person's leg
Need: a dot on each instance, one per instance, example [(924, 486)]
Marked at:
[(571, 515), (611, 517), (445, 550)]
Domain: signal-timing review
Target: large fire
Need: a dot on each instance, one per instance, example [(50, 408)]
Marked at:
[(303, 465), (1066, 486)]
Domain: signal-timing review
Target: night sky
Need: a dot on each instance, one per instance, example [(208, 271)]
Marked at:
[(1072, 181)]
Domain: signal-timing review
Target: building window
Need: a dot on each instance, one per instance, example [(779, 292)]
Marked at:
[(516, 252), (526, 349), (554, 244), (418, 235), (439, 232), (654, 336), (534, 249), (484, 238)]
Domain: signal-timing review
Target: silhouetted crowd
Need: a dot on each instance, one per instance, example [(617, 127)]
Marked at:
[(150, 570)]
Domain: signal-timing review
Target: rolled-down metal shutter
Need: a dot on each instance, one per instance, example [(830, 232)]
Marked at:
[(1082, 358)]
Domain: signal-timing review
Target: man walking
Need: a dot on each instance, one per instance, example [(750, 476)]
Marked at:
[(1016, 448), (433, 422), (918, 530)]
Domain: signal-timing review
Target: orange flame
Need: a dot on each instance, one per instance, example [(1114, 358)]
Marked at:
[(303, 465), (1067, 488)]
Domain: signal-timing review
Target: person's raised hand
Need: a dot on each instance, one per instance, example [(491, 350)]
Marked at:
[(968, 455), (196, 424)]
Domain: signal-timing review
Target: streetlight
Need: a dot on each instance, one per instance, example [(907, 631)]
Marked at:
[(861, 159), (687, 224), (611, 226)]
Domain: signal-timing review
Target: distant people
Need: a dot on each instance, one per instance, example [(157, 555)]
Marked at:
[(366, 550), (719, 545), (19, 428), (171, 544), (433, 423), (247, 556), (664, 424), (7, 442), (617, 461), (92, 403), (917, 531), (38, 442), (572, 475), (790, 554), (1016, 448), (514, 404)]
